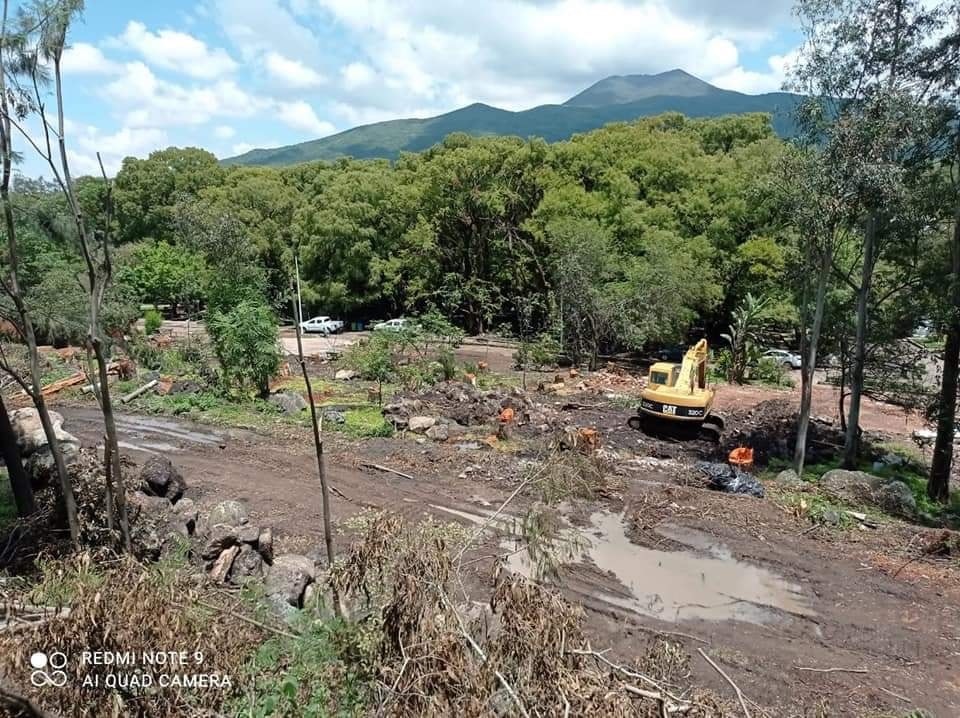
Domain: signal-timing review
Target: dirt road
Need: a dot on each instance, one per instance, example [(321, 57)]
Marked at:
[(736, 576)]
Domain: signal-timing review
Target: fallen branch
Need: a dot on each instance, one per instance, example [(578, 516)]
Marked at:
[(673, 705), (245, 619), (833, 670), (137, 392), (387, 469), (728, 679), (895, 695)]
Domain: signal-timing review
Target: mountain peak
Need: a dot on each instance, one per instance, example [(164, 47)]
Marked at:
[(623, 89)]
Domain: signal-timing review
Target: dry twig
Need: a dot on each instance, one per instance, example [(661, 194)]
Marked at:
[(728, 679)]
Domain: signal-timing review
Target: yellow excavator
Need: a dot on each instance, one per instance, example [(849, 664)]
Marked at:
[(677, 396)]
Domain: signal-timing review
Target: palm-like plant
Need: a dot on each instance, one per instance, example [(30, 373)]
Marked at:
[(745, 328)]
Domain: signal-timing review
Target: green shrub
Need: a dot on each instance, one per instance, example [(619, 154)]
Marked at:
[(770, 371), (366, 423), (448, 364), (247, 344), (152, 321)]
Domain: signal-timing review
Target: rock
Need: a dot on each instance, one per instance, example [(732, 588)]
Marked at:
[(40, 466), (29, 431), (185, 386), (438, 432), (223, 564), (159, 477), (831, 517), (287, 579), (346, 374), (288, 402), (399, 412), (221, 537), (186, 511), (896, 498), (334, 417), (147, 503), (248, 534), (788, 479), (310, 596), (265, 545), (859, 487), (231, 513), (420, 424), (247, 565)]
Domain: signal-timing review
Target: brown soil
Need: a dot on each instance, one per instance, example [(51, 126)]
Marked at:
[(881, 643)]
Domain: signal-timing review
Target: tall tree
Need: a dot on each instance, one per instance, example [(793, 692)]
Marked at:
[(859, 60), (16, 104)]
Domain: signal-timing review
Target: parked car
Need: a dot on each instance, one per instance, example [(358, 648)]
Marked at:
[(321, 325), (787, 358), (393, 325)]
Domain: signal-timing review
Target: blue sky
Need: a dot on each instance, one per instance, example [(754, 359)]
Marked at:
[(230, 75)]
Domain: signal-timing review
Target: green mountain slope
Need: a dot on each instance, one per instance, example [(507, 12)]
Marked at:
[(621, 99)]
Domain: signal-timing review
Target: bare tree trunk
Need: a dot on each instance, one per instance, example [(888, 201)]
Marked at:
[(318, 445), (112, 470), (19, 481), (851, 446), (15, 293), (938, 487), (810, 364)]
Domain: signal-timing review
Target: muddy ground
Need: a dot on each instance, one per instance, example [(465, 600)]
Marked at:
[(763, 591)]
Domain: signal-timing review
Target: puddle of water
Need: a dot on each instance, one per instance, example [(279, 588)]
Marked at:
[(678, 585), (149, 447), (706, 582)]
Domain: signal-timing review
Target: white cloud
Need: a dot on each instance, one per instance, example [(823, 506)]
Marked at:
[(82, 58), (86, 141), (258, 27), (292, 73), (301, 116), (356, 75), (144, 100), (513, 54), (177, 51), (223, 132), (754, 83)]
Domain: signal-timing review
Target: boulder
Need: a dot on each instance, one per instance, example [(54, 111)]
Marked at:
[(157, 526), (186, 512), (287, 579), (223, 564), (40, 466), (438, 432), (265, 545), (29, 431), (346, 374), (334, 417), (146, 504), (399, 412), (231, 513), (288, 402), (159, 477), (859, 487), (220, 538), (185, 386), (788, 479), (420, 424), (248, 534), (247, 565)]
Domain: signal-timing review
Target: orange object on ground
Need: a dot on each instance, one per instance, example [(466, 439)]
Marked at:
[(506, 416), (589, 438), (741, 457)]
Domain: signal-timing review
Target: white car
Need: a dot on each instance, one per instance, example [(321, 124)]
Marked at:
[(321, 325), (784, 357), (393, 325)]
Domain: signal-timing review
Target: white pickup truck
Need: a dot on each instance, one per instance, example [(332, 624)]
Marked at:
[(321, 325)]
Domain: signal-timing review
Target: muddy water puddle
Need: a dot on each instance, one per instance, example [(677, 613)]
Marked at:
[(702, 582), (156, 435)]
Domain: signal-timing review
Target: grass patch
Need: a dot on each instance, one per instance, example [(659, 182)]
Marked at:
[(364, 423), (212, 408), (316, 674)]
